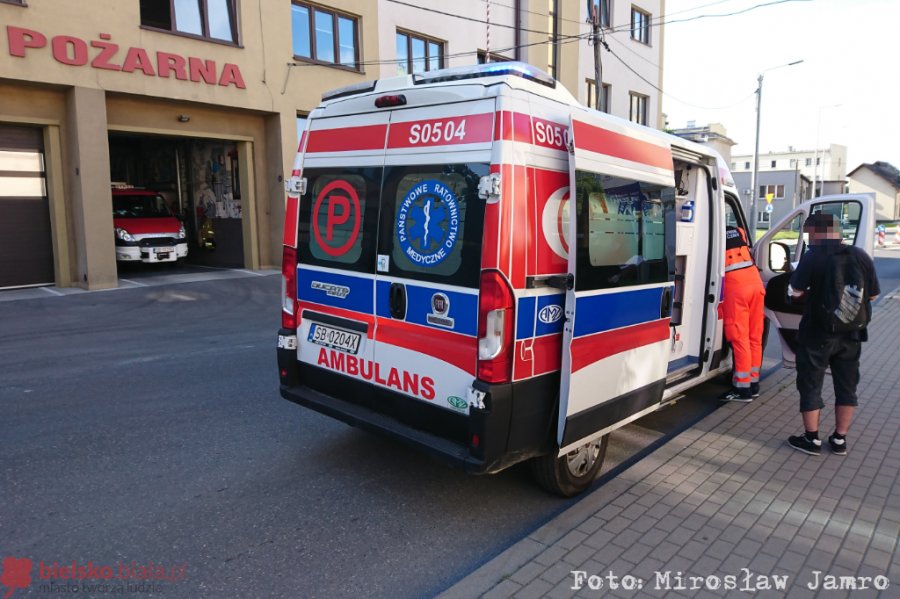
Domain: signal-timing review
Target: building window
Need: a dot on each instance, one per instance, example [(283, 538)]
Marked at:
[(818, 161), (777, 191), (793, 163), (553, 35), (763, 218), (592, 94), (211, 19), (324, 36), (301, 126), (746, 165), (809, 162), (640, 25), (18, 2), (417, 54), (638, 110), (602, 10), (774, 162)]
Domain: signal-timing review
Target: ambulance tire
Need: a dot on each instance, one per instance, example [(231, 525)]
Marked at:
[(572, 473)]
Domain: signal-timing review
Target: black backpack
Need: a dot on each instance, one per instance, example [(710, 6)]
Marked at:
[(842, 308)]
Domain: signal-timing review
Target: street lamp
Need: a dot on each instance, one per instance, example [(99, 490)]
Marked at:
[(816, 155), (755, 191)]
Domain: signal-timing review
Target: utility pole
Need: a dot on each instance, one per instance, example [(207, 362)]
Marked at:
[(596, 40)]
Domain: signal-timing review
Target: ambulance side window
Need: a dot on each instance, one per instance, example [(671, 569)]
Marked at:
[(624, 230), (338, 216), (432, 221)]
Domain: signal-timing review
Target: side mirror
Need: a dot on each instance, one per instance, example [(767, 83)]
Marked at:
[(779, 257)]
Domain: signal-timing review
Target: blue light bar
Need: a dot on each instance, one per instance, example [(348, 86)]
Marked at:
[(494, 69)]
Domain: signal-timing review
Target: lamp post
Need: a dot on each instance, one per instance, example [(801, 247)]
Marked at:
[(753, 178), (816, 155)]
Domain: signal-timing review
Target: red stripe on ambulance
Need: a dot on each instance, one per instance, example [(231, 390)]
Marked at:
[(520, 224), (453, 348), (347, 139), (617, 145), (490, 238), (592, 348), (448, 131)]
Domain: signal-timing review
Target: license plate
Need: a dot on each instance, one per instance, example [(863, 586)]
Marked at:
[(165, 251), (334, 338)]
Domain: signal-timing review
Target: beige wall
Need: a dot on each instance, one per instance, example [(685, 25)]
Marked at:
[(75, 101), (887, 199)]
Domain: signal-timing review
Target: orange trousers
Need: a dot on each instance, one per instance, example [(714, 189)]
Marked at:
[(742, 312)]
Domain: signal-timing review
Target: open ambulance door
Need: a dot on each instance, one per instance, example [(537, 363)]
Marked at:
[(616, 339), (778, 252)]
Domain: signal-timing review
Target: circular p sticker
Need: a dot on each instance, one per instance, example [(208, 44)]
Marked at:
[(428, 223), (336, 218)]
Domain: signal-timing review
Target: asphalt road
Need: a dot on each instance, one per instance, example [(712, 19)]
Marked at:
[(145, 424)]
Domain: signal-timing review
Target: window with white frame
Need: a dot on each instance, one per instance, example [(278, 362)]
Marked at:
[(777, 191)]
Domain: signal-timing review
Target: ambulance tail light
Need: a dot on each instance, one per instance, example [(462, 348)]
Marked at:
[(390, 101), (496, 319), (289, 288)]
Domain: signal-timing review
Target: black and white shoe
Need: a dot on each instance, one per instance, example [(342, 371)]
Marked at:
[(838, 446), (801, 443), (735, 394), (754, 390)]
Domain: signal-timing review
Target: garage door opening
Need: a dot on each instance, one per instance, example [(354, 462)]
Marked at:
[(199, 181), (26, 243)]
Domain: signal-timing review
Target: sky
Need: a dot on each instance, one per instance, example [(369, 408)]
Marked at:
[(851, 58)]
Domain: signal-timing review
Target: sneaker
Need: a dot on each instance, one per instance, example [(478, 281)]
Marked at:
[(801, 443), (735, 394), (838, 446), (754, 389)]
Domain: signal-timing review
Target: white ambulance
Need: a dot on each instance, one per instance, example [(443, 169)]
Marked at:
[(478, 266)]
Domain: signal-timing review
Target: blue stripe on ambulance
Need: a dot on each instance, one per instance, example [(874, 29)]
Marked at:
[(597, 313), (546, 318), (333, 289), (463, 307)]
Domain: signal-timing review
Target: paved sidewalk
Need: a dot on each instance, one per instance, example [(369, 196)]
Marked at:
[(728, 498)]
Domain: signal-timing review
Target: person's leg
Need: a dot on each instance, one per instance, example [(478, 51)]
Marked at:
[(737, 330), (845, 375), (811, 363), (756, 326)]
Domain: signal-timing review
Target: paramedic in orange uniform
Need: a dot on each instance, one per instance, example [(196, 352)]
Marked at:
[(742, 311)]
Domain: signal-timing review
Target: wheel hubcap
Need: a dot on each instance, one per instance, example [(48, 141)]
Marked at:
[(581, 460)]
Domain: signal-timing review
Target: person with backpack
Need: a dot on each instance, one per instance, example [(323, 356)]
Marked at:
[(837, 283), (742, 315)]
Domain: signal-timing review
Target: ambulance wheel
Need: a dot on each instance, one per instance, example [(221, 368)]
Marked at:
[(572, 473)]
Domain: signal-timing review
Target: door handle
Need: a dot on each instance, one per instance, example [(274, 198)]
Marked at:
[(397, 301), (665, 304)]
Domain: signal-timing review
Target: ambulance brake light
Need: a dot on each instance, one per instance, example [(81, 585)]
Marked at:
[(389, 101), (496, 319), (289, 288)]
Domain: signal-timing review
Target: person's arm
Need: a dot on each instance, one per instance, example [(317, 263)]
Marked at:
[(799, 281)]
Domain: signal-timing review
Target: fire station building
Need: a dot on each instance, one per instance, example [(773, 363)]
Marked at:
[(201, 101)]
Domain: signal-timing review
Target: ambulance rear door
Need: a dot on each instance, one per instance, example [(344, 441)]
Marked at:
[(778, 252), (343, 165), (617, 338), (429, 250)]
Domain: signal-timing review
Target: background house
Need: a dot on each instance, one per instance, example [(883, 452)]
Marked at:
[(883, 179)]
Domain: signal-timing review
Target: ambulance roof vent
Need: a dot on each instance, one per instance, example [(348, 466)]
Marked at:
[(350, 90), (495, 69)]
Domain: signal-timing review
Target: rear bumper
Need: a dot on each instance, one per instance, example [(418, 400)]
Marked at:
[(514, 425)]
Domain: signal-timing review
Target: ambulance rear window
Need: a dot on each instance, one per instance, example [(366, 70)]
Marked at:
[(338, 218), (625, 232), (432, 222)]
